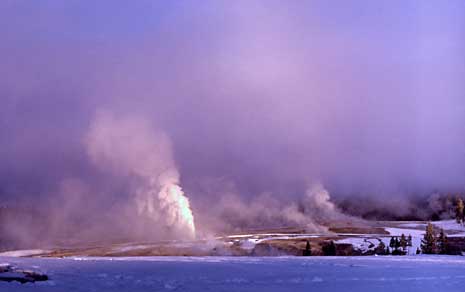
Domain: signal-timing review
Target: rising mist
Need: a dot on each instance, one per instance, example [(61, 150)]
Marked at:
[(155, 119)]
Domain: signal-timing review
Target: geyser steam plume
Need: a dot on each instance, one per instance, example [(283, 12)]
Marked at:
[(130, 146)]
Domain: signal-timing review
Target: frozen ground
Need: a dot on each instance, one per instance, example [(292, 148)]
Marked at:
[(450, 226), (364, 239), (419, 273), (366, 242)]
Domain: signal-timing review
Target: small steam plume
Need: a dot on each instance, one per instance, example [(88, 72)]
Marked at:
[(130, 146), (312, 210), (317, 201)]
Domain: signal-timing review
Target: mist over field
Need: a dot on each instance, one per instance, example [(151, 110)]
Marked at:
[(175, 119)]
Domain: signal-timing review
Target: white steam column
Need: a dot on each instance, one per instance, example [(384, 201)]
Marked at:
[(129, 145)]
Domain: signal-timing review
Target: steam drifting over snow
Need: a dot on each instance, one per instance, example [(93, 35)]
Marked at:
[(365, 97), (311, 210)]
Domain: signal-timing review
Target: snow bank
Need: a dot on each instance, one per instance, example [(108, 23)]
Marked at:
[(419, 273), (360, 243)]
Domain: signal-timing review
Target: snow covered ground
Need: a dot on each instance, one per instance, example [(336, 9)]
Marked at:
[(366, 242), (451, 227), (368, 273), (417, 236), (419, 273)]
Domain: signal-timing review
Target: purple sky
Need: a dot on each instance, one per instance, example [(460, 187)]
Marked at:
[(366, 97)]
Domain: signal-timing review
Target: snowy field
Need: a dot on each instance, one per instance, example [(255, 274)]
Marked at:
[(363, 242), (148, 273), (419, 273)]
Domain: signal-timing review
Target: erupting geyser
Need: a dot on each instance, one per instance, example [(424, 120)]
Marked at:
[(130, 146), (163, 200), (177, 205)]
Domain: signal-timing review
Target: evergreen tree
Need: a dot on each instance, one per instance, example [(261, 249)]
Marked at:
[(428, 243), (403, 242), (459, 211), (396, 243), (329, 249), (396, 246), (409, 243), (381, 248), (392, 242), (308, 250), (442, 243)]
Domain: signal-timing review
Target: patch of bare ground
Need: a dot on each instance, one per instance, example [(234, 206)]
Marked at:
[(358, 230), (282, 230), (296, 247)]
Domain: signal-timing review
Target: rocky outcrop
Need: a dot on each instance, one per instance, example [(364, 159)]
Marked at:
[(10, 273)]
